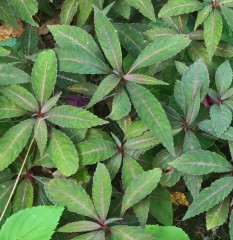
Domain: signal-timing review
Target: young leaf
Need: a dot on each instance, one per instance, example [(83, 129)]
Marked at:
[(155, 33), (193, 109), (212, 32), (217, 215), (228, 15), (44, 74), (71, 117), (143, 79), (191, 142), (50, 103), (22, 225), (25, 9), (92, 151), (105, 87), (210, 196), (152, 114), (12, 75), (160, 50), (41, 134), (221, 117), (101, 191), (63, 153), (7, 14), (202, 15), (21, 97), (193, 183), (70, 194), (68, 10), (108, 40), (173, 8), (13, 142), (121, 105), (223, 77), (23, 197), (201, 162), (142, 186), (80, 226), (114, 164), (84, 11), (141, 210)]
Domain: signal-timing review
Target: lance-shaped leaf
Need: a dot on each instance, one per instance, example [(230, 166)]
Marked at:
[(202, 15), (25, 9), (105, 87), (95, 235), (173, 8), (212, 32), (23, 197), (84, 11), (210, 196), (193, 109), (108, 40), (93, 150), (41, 134), (129, 233), (227, 3), (68, 10), (193, 183), (114, 164), (63, 153), (136, 129), (50, 103), (221, 117), (141, 210), (145, 7), (81, 62), (143, 79), (80, 226), (228, 15), (7, 14), (142, 186), (21, 97), (22, 225), (121, 105), (44, 74), (101, 191), (70, 194), (217, 215), (160, 50), (71, 37), (223, 77), (12, 75), (29, 41), (4, 52), (154, 33), (9, 109), (201, 162), (71, 117), (224, 49), (191, 142), (13, 142), (5, 191), (152, 114)]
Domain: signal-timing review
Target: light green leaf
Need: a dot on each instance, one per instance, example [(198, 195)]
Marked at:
[(68, 10), (7, 14), (8, 109), (71, 117), (33, 223), (84, 88), (44, 74), (160, 50), (80, 226), (50, 103), (121, 105), (70, 194), (221, 118), (63, 153), (114, 164), (101, 191), (155, 33), (202, 15), (212, 32), (210, 196), (145, 7), (178, 23), (71, 37), (143, 79), (4, 52), (105, 87), (93, 150), (25, 9), (228, 15), (179, 95), (13, 142), (223, 77), (21, 97), (201, 162), (217, 215), (98, 3), (12, 75), (173, 8), (152, 114), (108, 40), (84, 11), (23, 197), (227, 3), (41, 134), (141, 210), (139, 188)]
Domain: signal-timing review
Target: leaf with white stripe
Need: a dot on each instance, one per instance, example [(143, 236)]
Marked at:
[(68, 10), (50, 103), (80, 226), (144, 79), (44, 74), (210, 197), (7, 14), (84, 11), (63, 153), (41, 134), (139, 188), (101, 191), (228, 15), (114, 164), (202, 15), (13, 142), (95, 235), (201, 162)]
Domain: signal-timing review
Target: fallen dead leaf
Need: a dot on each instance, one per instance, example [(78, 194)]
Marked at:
[(7, 31)]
